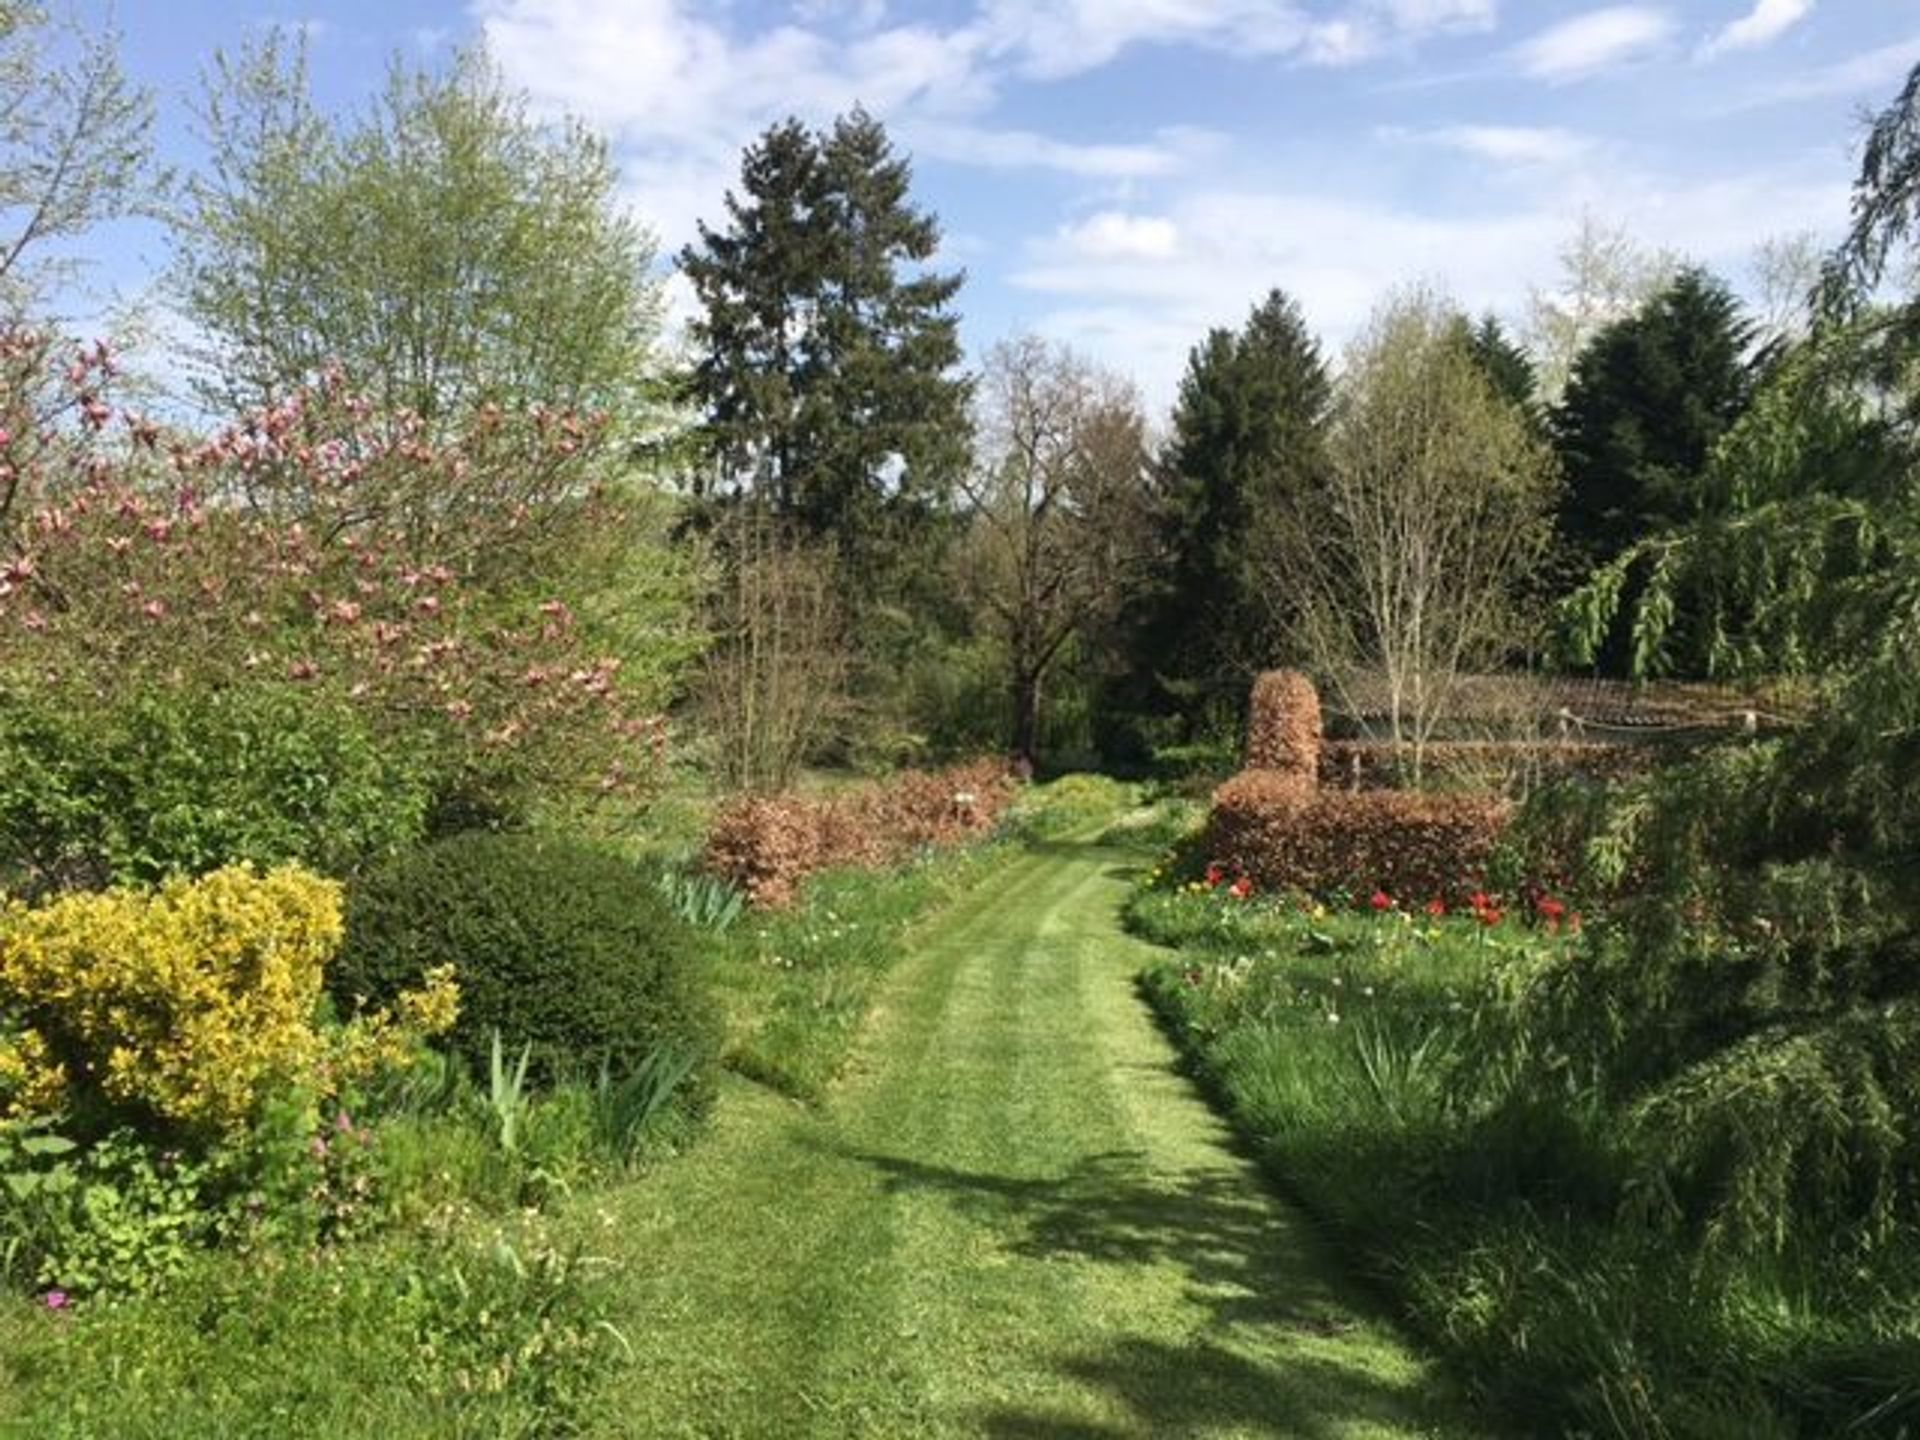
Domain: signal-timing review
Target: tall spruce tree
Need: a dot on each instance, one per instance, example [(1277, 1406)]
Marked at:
[(1506, 364), (1649, 398), (1249, 436), (829, 353)]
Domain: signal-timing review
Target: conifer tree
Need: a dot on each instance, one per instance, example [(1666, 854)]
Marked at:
[(1649, 397), (1506, 364), (829, 351), (1248, 440)]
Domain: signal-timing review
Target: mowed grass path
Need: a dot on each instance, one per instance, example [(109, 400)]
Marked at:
[(1013, 1218)]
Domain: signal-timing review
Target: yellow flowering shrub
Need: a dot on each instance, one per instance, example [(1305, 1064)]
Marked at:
[(193, 1001), (31, 1080)]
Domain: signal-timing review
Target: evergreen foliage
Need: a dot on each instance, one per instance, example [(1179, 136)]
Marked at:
[(1506, 364), (555, 944), (1649, 398), (828, 350), (1249, 439), (1757, 1016)]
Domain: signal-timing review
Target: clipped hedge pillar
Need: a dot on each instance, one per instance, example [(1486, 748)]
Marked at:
[(1283, 726)]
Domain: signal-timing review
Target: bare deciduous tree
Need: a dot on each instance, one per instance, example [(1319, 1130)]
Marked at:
[(1787, 271), (1057, 503), (1414, 563), (774, 680), (1605, 276)]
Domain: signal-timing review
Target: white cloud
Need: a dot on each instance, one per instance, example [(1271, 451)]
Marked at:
[(1504, 144), (1116, 235), (681, 91), (1765, 23), (1873, 74), (1055, 38), (1420, 16), (1595, 41), (1339, 255), (1169, 150)]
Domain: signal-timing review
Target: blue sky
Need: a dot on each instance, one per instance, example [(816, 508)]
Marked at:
[(1121, 174)]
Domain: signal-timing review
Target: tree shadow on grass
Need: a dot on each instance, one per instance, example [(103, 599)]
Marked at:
[(1308, 1360)]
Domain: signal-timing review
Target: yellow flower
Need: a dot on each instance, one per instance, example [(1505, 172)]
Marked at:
[(196, 1000)]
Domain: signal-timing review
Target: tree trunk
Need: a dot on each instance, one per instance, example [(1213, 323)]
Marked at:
[(1026, 718)]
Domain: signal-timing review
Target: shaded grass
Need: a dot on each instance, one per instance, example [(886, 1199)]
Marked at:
[(1368, 1061), (465, 1328)]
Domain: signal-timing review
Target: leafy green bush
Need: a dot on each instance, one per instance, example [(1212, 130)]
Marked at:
[(182, 781), (1061, 807), (558, 945)]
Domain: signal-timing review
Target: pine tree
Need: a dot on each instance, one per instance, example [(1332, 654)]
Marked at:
[(1649, 398), (1248, 438), (1506, 364), (829, 352)]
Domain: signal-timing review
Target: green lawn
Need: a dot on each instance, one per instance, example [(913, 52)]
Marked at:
[(1011, 1218)]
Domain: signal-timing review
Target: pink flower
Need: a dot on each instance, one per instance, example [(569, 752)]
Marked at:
[(1381, 900), (57, 1300)]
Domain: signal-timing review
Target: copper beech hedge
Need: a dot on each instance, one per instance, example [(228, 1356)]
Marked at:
[(1283, 726), (1275, 825), (1285, 835), (768, 844)]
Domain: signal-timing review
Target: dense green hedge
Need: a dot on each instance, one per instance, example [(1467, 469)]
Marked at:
[(185, 781), (556, 944)]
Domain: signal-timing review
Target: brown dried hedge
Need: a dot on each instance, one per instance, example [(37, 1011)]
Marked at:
[(767, 845), (1274, 824), (1289, 836), (1283, 725)]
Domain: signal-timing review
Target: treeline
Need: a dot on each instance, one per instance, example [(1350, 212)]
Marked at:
[(855, 550)]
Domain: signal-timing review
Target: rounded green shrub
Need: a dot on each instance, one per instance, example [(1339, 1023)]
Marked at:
[(557, 944)]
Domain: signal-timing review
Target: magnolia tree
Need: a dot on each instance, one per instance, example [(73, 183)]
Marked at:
[(417, 586)]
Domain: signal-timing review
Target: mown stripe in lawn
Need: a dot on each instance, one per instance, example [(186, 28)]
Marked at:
[(1013, 1218)]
